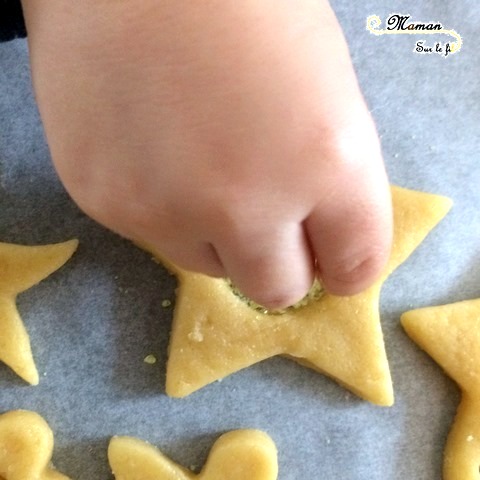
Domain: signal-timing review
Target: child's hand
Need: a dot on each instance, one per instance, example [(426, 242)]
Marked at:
[(231, 136)]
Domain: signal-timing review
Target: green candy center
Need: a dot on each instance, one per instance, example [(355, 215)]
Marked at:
[(315, 293)]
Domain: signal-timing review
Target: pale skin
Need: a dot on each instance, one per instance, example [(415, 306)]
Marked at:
[(231, 136)]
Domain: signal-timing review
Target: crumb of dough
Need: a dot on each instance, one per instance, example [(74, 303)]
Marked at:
[(26, 445), (22, 267), (338, 336), (236, 455), (166, 303), (450, 334), (150, 359)]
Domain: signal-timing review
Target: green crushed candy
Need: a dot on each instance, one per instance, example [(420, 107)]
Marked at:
[(315, 293)]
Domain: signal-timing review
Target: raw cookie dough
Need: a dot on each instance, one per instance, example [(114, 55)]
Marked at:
[(450, 334), (26, 445), (22, 267), (236, 455), (215, 333)]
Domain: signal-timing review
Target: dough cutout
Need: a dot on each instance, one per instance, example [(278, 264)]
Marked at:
[(215, 333), (26, 445), (22, 267), (236, 455), (450, 334)]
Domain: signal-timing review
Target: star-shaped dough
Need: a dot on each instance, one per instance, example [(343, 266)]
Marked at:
[(26, 445), (215, 333), (236, 455), (450, 334), (22, 267)]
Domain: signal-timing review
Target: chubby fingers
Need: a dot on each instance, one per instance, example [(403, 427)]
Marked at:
[(345, 240), (350, 228), (274, 267), (270, 264)]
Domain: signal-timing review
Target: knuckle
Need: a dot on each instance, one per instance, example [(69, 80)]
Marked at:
[(350, 144), (352, 275), (354, 269)]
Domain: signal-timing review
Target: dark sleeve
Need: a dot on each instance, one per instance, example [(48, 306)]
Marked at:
[(11, 20)]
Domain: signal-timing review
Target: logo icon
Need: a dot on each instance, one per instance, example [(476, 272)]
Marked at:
[(399, 24)]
